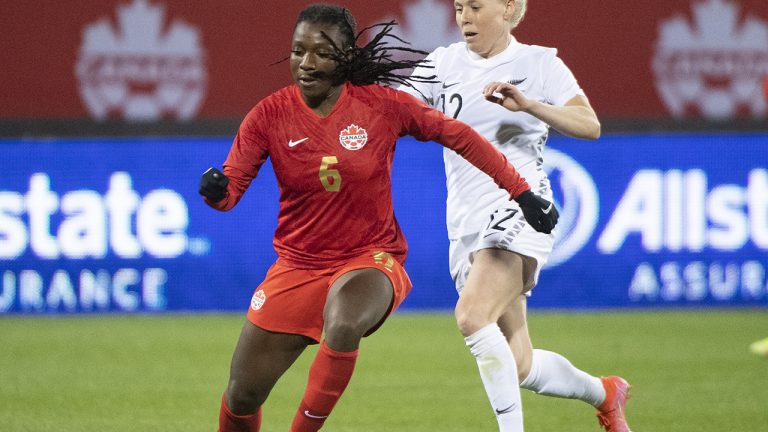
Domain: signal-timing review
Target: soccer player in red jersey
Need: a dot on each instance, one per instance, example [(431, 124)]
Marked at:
[(331, 138)]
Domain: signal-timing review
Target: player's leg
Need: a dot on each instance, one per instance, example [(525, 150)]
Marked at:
[(494, 282), (551, 374), (357, 301), (546, 372), (260, 358)]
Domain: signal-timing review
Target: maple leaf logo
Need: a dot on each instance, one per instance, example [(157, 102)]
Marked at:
[(140, 70), (258, 299), (715, 64), (353, 137)]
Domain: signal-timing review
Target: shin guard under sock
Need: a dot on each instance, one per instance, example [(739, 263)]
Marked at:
[(328, 377)]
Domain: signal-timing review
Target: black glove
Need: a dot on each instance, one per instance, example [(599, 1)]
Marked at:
[(213, 185), (540, 214)]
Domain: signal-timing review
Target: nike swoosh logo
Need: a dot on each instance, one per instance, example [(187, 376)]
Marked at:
[(292, 143), (548, 209), (506, 410), (449, 85), (517, 82), (310, 415)]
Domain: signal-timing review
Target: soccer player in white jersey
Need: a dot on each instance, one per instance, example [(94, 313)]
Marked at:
[(512, 94)]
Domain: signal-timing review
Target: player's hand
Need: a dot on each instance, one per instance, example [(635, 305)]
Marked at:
[(539, 213), (506, 95), (213, 185)]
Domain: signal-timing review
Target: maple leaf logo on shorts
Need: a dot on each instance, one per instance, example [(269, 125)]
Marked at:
[(258, 300)]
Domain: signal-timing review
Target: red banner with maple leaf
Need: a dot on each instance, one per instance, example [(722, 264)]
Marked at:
[(158, 59)]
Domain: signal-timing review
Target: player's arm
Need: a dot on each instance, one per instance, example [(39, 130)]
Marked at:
[(213, 186), (425, 124), (576, 118), (461, 138), (223, 190)]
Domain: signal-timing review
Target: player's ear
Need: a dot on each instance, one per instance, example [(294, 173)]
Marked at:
[(509, 10)]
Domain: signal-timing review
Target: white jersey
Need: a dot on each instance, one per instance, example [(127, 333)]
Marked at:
[(461, 76)]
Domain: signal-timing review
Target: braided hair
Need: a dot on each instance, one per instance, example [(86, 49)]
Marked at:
[(371, 63)]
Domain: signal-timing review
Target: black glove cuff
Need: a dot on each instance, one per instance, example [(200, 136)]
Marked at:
[(526, 198)]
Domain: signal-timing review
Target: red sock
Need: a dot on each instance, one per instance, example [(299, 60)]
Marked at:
[(229, 422), (328, 377)]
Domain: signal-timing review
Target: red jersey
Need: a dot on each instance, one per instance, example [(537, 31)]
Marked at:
[(334, 172)]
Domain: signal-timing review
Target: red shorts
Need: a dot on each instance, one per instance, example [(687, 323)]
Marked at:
[(291, 300)]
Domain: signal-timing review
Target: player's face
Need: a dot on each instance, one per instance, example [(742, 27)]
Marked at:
[(484, 24), (312, 60)]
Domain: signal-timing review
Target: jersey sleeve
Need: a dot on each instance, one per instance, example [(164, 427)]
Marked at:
[(428, 124), (422, 90), (246, 156), (560, 84)]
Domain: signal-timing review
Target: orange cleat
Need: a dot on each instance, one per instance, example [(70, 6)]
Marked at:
[(611, 413)]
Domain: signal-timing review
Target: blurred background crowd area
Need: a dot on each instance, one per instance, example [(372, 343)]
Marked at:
[(177, 67)]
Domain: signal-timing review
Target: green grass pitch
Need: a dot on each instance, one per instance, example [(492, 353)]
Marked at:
[(691, 371)]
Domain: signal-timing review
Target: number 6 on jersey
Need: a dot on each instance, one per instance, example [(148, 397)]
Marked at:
[(330, 178)]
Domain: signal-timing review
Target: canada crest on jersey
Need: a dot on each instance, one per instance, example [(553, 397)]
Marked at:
[(353, 137)]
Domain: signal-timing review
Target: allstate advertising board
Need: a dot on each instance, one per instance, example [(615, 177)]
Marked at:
[(92, 226)]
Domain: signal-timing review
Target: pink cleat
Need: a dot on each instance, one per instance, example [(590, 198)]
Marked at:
[(611, 413)]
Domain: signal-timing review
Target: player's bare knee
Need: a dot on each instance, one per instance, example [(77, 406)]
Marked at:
[(243, 400), (472, 314), (346, 327), (469, 321), (345, 334)]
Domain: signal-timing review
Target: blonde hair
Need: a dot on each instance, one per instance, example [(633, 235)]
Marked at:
[(517, 16)]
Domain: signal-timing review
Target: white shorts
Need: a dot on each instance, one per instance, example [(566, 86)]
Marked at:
[(506, 229)]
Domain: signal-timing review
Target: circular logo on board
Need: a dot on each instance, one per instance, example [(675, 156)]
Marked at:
[(577, 201)]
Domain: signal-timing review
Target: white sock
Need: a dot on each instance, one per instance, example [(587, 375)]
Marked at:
[(498, 371), (553, 375)]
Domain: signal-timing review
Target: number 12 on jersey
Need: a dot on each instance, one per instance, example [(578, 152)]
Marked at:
[(330, 178), (454, 100)]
